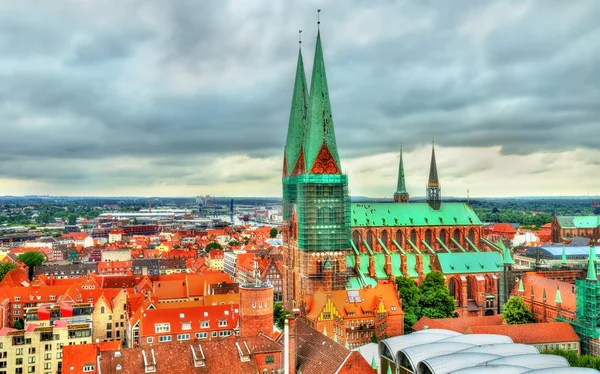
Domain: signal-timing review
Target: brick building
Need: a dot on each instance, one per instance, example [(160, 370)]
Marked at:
[(565, 228)]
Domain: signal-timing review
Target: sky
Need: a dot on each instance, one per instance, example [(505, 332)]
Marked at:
[(186, 97)]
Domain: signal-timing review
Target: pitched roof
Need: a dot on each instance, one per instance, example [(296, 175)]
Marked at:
[(532, 333), (79, 355), (470, 262), (539, 283), (457, 324), (578, 222), (412, 214), (15, 278), (317, 353)]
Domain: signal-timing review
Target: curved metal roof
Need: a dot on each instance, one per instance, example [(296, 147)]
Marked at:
[(532, 361), (389, 347), (504, 349), (569, 370), (418, 353), (500, 369), (480, 339), (454, 361)]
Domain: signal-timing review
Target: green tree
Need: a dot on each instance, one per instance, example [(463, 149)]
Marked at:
[(374, 339), (279, 314), (410, 295), (19, 324), (5, 267), (273, 233), (516, 312), (585, 361), (213, 245), (72, 218), (32, 259), (435, 300)]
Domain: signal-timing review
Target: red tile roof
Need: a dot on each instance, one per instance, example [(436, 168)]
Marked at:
[(532, 333), (458, 324), (539, 283), (81, 354)]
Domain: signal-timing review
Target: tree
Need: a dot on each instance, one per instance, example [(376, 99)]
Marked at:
[(72, 218), (5, 267), (31, 259), (279, 315), (516, 312), (575, 360), (374, 339), (213, 245), (435, 300), (410, 295), (19, 324), (273, 233)]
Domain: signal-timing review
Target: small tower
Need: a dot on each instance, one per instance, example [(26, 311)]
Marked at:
[(256, 308), (434, 190), (558, 301), (401, 195)]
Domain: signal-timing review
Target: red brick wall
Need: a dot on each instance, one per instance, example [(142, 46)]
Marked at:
[(256, 311), (261, 361)]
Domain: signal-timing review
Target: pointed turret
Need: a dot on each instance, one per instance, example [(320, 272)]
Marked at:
[(293, 161), (558, 298), (521, 288), (373, 363), (563, 259), (591, 273), (433, 184), (508, 260), (401, 195), (544, 295), (320, 149)]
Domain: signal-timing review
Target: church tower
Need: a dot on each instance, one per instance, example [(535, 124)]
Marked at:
[(401, 195), (434, 191), (316, 202)]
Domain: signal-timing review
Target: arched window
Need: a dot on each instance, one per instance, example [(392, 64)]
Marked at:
[(399, 238), (453, 288), (443, 237), (489, 285), (471, 288), (370, 239), (428, 236), (356, 239), (472, 236), (413, 236), (384, 238), (457, 235)]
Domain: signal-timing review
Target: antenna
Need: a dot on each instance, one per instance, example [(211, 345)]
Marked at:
[(318, 18), (467, 195)]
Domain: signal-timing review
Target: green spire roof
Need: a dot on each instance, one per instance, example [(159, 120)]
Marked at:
[(508, 260), (544, 294), (563, 259), (558, 298), (401, 188), (591, 273), (297, 124), (325, 331), (319, 128), (521, 288), (373, 363), (389, 370), (433, 174), (347, 345), (327, 265), (335, 339)]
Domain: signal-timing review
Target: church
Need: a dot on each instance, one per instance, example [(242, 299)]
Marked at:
[(337, 250)]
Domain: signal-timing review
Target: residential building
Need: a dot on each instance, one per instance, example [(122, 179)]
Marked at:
[(110, 316), (215, 260)]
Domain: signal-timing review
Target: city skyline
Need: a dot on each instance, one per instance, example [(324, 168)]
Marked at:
[(194, 99)]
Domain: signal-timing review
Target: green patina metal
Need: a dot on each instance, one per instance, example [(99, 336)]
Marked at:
[(470, 262), (368, 247), (379, 259), (458, 244), (428, 246), (508, 260), (354, 248), (413, 246), (399, 247), (401, 186), (591, 271), (426, 264), (413, 214), (411, 262), (353, 283), (442, 244), (298, 116), (350, 261), (319, 129), (383, 246), (472, 245), (364, 263), (396, 263), (578, 222)]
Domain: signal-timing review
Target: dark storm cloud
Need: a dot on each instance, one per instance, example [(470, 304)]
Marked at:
[(166, 82)]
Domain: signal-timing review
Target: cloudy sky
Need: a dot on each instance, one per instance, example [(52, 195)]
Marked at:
[(187, 97)]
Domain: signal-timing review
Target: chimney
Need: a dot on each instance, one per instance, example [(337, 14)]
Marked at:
[(289, 350)]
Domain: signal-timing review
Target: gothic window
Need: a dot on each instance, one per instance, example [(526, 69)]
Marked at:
[(443, 236), (471, 288), (413, 236), (489, 285), (457, 235), (384, 237), (428, 237), (356, 239), (453, 288), (370, 239), (472, 235), (399, 237)]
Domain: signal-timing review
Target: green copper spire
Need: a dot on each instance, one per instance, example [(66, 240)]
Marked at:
[(508, 260), (401, 195), (297, 124), (389, 370), (335, 339), (327, 265), (319, 130), (433, 174), (433, 191), (591, 273), (521, 288), (373, 363), (558, 298), (347, 345), (544, 295), (325, 331), (563, 259)]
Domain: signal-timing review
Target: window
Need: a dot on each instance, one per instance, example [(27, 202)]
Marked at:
[(214, 334), (17, 306), (204, 324), (17, 312), (48, 365), (150, 340), (19, 361), (47, 347), (253, 305), (109, 335), (17, 298), (186, 325), (201, 335), (162, 327), (183, 336), (102, 310), (269, 359), (52, 297), (19, 371), (58, 355), (222, 322), (88, 368), (109, 326), (31, 350), (31, 369), (48, 356), (164, 338)]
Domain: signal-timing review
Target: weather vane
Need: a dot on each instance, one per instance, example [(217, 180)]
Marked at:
[(318, 17), (299, 36)]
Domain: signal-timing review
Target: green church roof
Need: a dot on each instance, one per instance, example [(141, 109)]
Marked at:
[(578, 222), (470, 262), (319, 128), (401, 187), (412, 214), (297, 124)]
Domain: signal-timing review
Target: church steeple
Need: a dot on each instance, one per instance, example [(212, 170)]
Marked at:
[(401, 195), (433, 184), (320, 149), (293, 159)]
